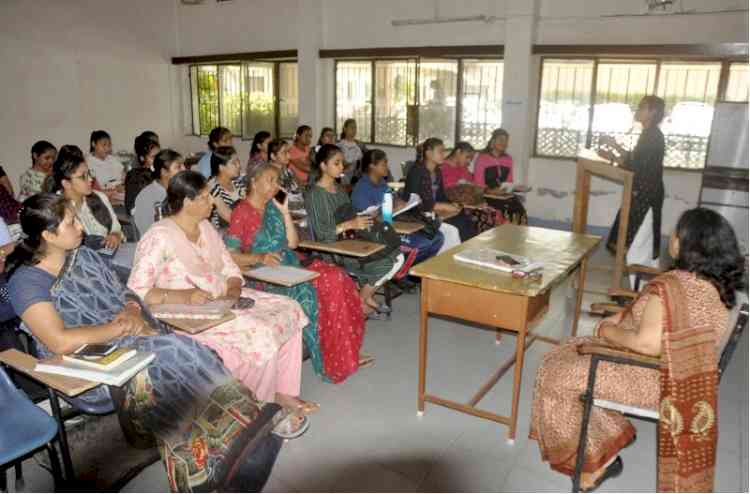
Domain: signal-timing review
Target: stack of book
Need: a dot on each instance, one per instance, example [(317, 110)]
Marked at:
[(114, 369)]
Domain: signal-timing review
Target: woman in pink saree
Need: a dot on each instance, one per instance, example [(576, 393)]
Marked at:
[(182, 260)]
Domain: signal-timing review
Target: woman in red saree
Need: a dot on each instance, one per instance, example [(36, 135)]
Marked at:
[(680, 316), (265, 234)]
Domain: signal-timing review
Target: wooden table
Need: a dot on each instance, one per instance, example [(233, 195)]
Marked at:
[(406, 227), (498, 300), (353, 248)]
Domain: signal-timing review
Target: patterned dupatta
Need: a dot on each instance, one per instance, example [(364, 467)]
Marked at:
[(688, 402)]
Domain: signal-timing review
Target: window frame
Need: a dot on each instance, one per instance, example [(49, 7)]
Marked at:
[(596, 59), (276, 92), (417, 59)]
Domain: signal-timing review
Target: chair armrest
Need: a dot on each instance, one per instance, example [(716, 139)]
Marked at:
[(622, 292), (603, 309), (619, 356), (640, 268), (24, 363)]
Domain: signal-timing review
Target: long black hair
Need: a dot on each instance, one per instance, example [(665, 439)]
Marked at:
[(709, 248), (97, 136), (462, 146), (274, 147), (217, 134), (371, 157), (184, 185), (220, 157), (163, 160), (258, 139), (41, 213), (69, 160), (323, 132), (325, 153), (347, 123), (39, 148), (497, 133)]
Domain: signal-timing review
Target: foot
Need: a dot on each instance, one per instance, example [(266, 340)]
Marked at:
[(296, 405), (365, 361), (591, 481)]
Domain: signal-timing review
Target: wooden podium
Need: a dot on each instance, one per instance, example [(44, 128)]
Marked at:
[(591, 165)]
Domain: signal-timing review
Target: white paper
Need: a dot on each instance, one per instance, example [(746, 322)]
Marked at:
[(282, 275), (414, 200)]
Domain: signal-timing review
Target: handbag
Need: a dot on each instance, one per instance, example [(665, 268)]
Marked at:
[(380, 232), (467, 194)]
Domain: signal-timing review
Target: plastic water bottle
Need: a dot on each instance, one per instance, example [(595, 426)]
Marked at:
[(388, 206)]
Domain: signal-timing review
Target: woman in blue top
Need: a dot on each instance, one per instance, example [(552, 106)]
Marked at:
[(371, 188)]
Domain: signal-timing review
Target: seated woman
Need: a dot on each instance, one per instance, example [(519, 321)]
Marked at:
[(182, 260), (371, 188), (92, 208), (278, 156), (352, 149), (43, 155), (299, 154), (226, 185), (141, 175), (50, 287), (106, 170), (265, 233), (690, 301), (148, 204), (219, 136), (323, 201), (258, 152), (424, 179), (493, 169)]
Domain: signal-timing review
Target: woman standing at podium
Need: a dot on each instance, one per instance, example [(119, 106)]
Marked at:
[(646, 161)]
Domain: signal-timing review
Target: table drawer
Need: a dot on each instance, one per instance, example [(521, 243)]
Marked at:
[(496, 309)]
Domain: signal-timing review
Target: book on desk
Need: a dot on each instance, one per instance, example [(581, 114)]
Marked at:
[(498, 260), (116, 376)]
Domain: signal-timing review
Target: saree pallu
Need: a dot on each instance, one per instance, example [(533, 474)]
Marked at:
[(696, 313), (206, 423), (335, 333)]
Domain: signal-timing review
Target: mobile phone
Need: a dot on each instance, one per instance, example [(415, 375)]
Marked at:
[(96, 351), (507, 260), (244, 303), (280, 196)]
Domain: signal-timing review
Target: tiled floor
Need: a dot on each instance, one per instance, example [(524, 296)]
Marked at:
[(367, 436)]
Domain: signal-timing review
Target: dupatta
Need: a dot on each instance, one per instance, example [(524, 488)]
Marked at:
[(688, 407)]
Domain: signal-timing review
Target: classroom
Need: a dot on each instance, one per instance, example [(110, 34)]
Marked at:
[(357, 246)]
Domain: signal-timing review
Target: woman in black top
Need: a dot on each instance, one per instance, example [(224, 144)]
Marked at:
[(646, 162), (425, 180)]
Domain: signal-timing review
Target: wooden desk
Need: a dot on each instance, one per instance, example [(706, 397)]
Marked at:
[(25, 363), (406, 228), (352, 248), (499, 300)]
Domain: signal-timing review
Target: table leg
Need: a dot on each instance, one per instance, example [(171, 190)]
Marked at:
[(518, 374), (65, 450), (579, 296), (423, 315)]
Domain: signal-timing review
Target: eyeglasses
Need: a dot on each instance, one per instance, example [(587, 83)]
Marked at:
[(85, 176)]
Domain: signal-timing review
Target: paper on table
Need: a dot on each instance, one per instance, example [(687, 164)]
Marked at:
[(282, 275), (371, 211), (414, 200)]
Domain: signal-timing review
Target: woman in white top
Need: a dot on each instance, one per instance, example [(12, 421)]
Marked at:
[(352, 149), (73, 179), (105, 168)]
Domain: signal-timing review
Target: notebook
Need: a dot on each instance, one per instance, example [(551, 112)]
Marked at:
[(216, 309), (105, 363), (116, 376), (282, 275), (496, 259)]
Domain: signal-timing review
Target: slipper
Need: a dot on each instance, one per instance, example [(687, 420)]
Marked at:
[(613, 470), (286, 428), (376, 316), (366, 361), (383, 309)]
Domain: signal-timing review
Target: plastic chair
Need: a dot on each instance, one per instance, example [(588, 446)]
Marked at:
[(25, 429)]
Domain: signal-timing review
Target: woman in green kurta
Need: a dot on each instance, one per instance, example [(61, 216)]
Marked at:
[(322, 201)]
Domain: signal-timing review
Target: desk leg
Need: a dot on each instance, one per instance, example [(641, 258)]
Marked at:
[(423, 315), (65, 449), (518, 374), (579, 296)]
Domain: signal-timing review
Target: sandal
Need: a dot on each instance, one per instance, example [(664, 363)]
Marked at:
[(382, 309), (307, 408), (366, 361), (376, 316), (286, 428), (613, 470)]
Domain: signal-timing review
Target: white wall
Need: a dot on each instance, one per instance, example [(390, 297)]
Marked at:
[(74, 66)]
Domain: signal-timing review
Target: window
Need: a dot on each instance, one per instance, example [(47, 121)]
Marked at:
[(738, 85), (573, 117), (245, 97), (402, 102)]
